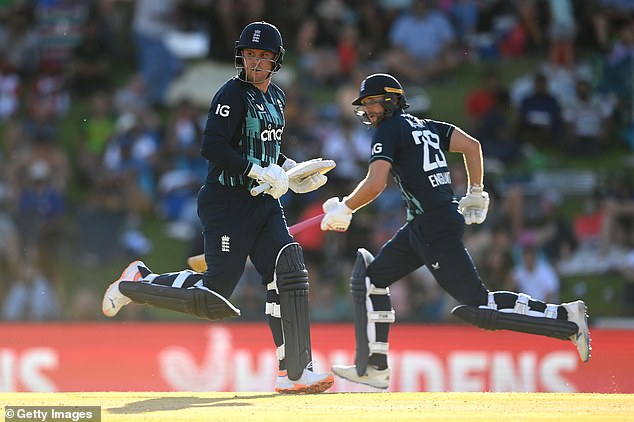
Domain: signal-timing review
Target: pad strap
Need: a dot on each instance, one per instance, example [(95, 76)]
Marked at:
[(372, 312)]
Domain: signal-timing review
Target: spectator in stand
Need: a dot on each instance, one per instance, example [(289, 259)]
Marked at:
[(608, 15), (539, 120), (617, 229), (618, 78), (318, 40), (496, 261), (372, 20), (130, 161), (10, 83), (94, 134), (183, 139), (91, 61), (41, 217), (587, 118), (556, 233), (464, 16), (183, 169), (327, 305), (9, 243), (48, 99), (347, 143), (481, 99), (31, 298), (536, 277), (158, 65), (495, 131), (562, 30), (422, 44), (19, 40), (43, 148), (133, 96)]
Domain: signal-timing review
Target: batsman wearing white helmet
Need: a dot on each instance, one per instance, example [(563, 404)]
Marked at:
[(242, 141), (413, 151)]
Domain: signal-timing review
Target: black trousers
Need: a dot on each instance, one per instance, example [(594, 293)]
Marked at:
[(433, 239), (237, 225)]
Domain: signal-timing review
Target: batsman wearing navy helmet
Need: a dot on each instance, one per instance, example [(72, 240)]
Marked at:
[(242, 141), (414, 151)]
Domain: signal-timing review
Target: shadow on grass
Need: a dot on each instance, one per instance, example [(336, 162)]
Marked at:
[(161, 404)]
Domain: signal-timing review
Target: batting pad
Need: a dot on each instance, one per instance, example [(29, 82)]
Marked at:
[(200, 302), (292, 284), (490, 319)]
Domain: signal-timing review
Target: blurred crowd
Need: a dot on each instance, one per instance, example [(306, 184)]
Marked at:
[(91, 147)]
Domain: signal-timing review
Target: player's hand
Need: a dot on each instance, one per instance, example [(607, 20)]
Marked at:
[(337, 217), (474, 205), (274, 175)]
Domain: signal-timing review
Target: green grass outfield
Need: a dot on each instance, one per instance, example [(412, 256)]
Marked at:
[(338, 407)]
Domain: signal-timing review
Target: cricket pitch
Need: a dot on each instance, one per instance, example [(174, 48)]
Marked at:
[(337, 407)]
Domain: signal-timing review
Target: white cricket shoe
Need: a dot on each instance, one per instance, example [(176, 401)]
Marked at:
[(377, 378), (577, 314), (309, 383), (113, 299)]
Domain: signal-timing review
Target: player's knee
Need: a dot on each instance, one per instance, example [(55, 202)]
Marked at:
[(290, 270)]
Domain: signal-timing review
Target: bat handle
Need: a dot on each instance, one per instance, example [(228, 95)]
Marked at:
[(256, 190)]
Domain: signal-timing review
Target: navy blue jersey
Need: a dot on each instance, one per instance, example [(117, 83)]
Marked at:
[(244, 126), (416, 149)]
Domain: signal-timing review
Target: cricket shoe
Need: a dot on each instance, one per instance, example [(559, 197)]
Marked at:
[(113, 299), (577, 314), (377, 378), (309, 383)]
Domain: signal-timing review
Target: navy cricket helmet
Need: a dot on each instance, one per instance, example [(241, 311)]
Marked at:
[(380, 84), (261, 36)]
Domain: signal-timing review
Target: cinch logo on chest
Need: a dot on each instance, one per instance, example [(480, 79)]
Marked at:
[(271, 134)]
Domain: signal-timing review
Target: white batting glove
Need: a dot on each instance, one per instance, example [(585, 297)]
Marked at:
[(274, 175), (338, 215), (288, 164), (474, 205)]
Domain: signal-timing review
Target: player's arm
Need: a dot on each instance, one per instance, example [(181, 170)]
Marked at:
[(226, 114), (471, 150), (475, 204), (339, 212), (370, 187)]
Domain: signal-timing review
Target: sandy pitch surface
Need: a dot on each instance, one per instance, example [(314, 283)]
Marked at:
[(338, 407)]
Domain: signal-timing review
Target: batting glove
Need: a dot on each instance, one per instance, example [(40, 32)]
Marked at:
[(274, 175), (288, 164), (474, 205), (338, 215)]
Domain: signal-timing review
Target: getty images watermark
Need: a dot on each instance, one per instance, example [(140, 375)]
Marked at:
[(52, 413)]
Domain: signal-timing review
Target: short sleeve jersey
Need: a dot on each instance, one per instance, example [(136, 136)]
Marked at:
[(244, 125), (416, 149)]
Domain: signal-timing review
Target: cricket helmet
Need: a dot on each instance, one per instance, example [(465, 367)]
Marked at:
[(262, 36), (381, 84)]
